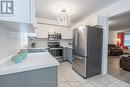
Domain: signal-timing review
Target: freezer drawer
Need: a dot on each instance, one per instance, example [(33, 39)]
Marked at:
[(79, 65)]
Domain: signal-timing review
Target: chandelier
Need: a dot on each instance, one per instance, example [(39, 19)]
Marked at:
[(63, 18)]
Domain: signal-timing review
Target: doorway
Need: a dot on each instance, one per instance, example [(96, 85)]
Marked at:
[(119, 47)]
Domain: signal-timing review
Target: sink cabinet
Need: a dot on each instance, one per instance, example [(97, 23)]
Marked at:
[(46, 77)]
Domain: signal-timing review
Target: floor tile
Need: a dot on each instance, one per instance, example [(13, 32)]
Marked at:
[(87, 85), (69, 78), (116, 71), (64, 84)]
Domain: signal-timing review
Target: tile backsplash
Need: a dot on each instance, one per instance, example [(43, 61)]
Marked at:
[(9, 42), (41, 43), (65, 43)]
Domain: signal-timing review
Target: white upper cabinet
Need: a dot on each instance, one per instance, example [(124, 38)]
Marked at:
[(52, 29), (69, 34), (33, 14), (42, 31), (66, 32), (46, 26), (24, 11)]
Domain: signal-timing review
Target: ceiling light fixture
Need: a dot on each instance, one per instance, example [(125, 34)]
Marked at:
[(63, 18)]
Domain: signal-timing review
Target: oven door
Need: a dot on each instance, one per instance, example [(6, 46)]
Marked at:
[(59, 52), (56, 52), (52, 52)]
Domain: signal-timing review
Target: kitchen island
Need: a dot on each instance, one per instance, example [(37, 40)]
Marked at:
[(37, 70)]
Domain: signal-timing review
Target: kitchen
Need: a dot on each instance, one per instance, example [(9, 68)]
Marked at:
[(51, 35), (32, 45)]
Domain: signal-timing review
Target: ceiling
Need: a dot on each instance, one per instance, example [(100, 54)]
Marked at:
[(77, 9), (120, 22)]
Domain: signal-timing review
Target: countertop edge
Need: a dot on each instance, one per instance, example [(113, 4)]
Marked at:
[(20, 70)]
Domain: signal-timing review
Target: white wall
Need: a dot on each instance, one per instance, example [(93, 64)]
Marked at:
[(100, 18), (91, 20), (127, 33), (112, 37), (9, 42), (114, 9), (13, 37)]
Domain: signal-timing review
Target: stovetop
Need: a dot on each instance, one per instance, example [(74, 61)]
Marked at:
[(55, 47)]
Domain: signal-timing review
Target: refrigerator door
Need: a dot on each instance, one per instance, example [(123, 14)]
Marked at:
[(79, 65), (87, 52), (80, 41), (94, 51), (75, 40)]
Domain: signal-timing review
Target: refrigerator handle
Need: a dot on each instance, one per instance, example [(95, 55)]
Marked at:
[(79, 57), (76, 39)]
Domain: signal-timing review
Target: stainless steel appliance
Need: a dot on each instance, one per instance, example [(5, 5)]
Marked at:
[(53, 43), (36, 50), (54, 36), (56, 51), (54, 46), (87, 50)]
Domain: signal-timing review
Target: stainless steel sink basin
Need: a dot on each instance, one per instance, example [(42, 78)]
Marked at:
[(33, 50)]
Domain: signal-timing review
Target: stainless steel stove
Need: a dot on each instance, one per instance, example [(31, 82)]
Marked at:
[(54, 46)]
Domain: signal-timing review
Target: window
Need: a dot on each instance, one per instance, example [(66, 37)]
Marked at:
[(127, 40)]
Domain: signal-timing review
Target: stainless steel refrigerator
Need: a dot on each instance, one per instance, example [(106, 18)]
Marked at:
[(87, 50)]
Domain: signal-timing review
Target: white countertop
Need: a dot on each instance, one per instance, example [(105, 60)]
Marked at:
[(32, 62), (67, 46)]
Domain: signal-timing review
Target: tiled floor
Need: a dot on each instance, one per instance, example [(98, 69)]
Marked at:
[(69, 78), (116, 71)]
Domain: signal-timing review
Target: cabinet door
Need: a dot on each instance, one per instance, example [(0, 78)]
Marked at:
[(22, 11), (52, 29), (58, 29), (42, 31), (33, 14), (68, 54), (66, 33)]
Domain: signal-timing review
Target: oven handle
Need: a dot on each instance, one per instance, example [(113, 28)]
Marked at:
[(55, 48)]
